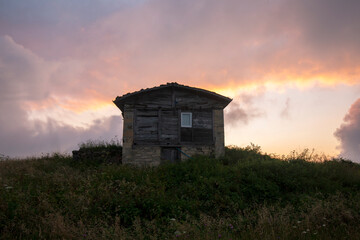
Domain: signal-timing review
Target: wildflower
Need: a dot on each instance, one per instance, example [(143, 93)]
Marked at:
[(231, 226), (304, 232), (308, 230), (324, 225), (8, 187), (172, 219), (294, 226), (177, 233), (298, 222), (219, 235)]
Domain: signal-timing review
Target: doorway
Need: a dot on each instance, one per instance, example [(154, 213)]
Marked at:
[(171, 154)]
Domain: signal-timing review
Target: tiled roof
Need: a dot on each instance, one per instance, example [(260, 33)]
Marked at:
[(172, 84)]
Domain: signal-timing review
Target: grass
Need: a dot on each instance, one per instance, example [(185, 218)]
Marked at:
[(245, 195), (113, 144)]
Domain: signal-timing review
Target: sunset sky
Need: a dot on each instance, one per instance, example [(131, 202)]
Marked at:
[(292, 68)]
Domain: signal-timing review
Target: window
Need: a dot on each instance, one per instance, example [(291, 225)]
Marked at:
[(186, 119)]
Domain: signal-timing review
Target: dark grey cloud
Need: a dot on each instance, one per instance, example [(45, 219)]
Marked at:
[(327, 25), (243, 109), (349, 133), (171, 40), (48, 26)]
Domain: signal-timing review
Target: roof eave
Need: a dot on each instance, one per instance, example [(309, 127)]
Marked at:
[(119, 101)]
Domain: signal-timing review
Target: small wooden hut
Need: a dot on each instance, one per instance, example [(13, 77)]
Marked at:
[(171, 122)]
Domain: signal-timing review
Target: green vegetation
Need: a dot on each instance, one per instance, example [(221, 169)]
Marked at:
[(245, 195), (89, 145), (97, 152)]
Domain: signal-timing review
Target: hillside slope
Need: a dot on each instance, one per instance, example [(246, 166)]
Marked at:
[(245, 195)]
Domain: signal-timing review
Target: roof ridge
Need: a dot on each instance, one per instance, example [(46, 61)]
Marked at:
[(169, 84)]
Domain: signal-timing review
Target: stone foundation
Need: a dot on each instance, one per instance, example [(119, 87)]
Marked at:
[(197, 150), (144, 156), (151, 155)]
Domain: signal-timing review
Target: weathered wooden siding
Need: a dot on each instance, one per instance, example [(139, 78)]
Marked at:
[(202, 119), (146, 126), (157, 118), (188, 100), (162, 127), (169, 127)]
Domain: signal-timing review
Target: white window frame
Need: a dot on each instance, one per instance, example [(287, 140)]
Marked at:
[(185, 125)]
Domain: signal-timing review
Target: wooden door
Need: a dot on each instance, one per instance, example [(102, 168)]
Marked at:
[(170, 154)]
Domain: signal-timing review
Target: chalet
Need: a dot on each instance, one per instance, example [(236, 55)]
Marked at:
[(171, 122)]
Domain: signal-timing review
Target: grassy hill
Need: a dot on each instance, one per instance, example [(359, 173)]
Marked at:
[(245, 195)]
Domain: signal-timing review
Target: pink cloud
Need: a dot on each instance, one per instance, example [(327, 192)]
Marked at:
[(349, 133)]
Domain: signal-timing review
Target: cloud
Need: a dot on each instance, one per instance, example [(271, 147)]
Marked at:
[(349, 133), (23, 75), (77, 55), (212, 43), (28, 82), (242, 109), (285, 113), (34, 138), (70, 83)]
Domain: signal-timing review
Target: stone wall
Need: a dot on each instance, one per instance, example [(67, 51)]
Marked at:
[(146, 155), (128, 137), (219, 132), (136, 154), (151, 155), (208, 150)]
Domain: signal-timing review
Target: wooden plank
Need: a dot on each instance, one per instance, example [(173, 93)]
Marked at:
[(169, 127), (146, 126), (186, 98), (134, 126), (147, 113), (213, 128), (159, 122), (173, 100), (179, 125), (202, 135), (186, 135)]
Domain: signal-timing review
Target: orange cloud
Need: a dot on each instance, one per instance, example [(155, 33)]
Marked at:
[(91, 100)]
